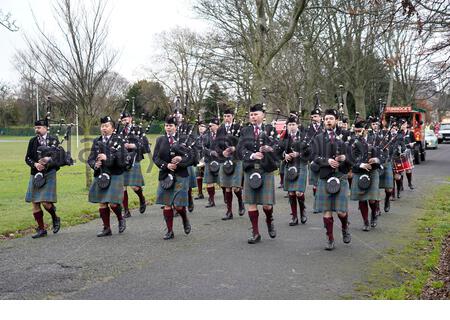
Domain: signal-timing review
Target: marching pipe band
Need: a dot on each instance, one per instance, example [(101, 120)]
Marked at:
[(242, 156)]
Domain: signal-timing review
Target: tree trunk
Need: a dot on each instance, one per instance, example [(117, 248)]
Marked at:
[(360, 101), (391, 86), (87, 143)]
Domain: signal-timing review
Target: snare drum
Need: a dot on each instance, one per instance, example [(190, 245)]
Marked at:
[(402, 163)]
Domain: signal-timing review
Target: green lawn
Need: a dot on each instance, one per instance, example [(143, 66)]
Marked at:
[(72, 206)]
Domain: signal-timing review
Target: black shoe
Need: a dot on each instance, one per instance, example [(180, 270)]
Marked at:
[(241, 209), (228, 216), (39, 233), (191, 207), (187, 227), (366, 227), (330, 245), (56, 224), (126, 214), (280, 186), (169, 235), (346, 236), (387, 205), (303, 219), (105, 232), (122, 225), (142, 207), (398, 194), (254, 239), (373, 221), (315, 211), (271, 230), (210, 204), (411, 186), (293, 222), (200, 196)]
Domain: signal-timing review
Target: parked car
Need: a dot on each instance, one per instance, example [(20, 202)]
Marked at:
[(431, 140), (444, 132)]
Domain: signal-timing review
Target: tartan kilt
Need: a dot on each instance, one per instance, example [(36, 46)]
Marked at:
[(114, 193), (234, 180), (313, 177), (331, 202), (176, 196), (373, 193), (387, 177), (298, 184), (45, 194), (209, 178), (192, 177), (134, 177), (264, 195)]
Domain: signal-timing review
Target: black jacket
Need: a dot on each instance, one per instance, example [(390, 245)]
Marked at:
[(248, 145), (362, 151), (299, 144), (32, 157), (210, 147), (164, 153), (227, 139), (116, 155), (135, 136)]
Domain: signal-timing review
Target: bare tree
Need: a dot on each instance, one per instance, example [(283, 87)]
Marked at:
[(76, 62), (7, 21)]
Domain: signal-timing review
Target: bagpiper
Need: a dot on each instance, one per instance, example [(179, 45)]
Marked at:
[(212, 164), (173, 160), (108, 159), (256, 148), (330, 155), (42, 183), (410, 143), (295, 153), (137, 145), (315, 128), (200, 167), (230, 173), (365, 183)]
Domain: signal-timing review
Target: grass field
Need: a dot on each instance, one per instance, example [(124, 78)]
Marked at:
[(73, 206)]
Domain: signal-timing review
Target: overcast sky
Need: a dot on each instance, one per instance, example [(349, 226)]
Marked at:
[(133, 26)]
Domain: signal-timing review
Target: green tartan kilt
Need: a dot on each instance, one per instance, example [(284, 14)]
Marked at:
[(313, 177), (373, 193), (331, 202), (176, 196), (134, 177), (264, 195), (233, 180), (386, 177), (298, 184), (209, 178), (45, 194), (113, 194), (192, 177)]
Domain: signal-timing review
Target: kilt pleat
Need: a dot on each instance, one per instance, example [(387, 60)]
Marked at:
[(176, 196), (45, 194), (298, 184), (192, 177), (113, 194), (331, 202), (233, 180), (387, 177), (373, 193), (264, 195), (134, 177), (209, 178)]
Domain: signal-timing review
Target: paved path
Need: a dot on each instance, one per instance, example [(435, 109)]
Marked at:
[(215, 261)]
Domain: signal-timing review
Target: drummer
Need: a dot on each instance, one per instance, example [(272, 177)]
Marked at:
[(398, 149), (410, 142)]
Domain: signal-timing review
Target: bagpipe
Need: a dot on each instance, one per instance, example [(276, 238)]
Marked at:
[(55, 151)]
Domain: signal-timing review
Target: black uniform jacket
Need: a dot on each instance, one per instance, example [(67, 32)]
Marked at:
[(210, 147), (164, 153), (361, 152), (297, 143), (227, 139), (32, 154), (135, 136), (116, 155), (249, 144)]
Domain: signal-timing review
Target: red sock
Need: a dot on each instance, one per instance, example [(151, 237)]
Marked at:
[(238, 194), (224, 194), (254, 220), (409, 177), (118, 211), (168, 217), (364, 208), (388, 194), (211, 192), (344, 221), (125, 200), (328, 223), (39, 217), (314, 190), (104, 214), (140, 195), (399, 184), (52, 211), (293, 203), (373, 207), (190, 200), (301, 203), (269, 214), (281, 179), (200, 185), (182, 213), (229, 200)]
